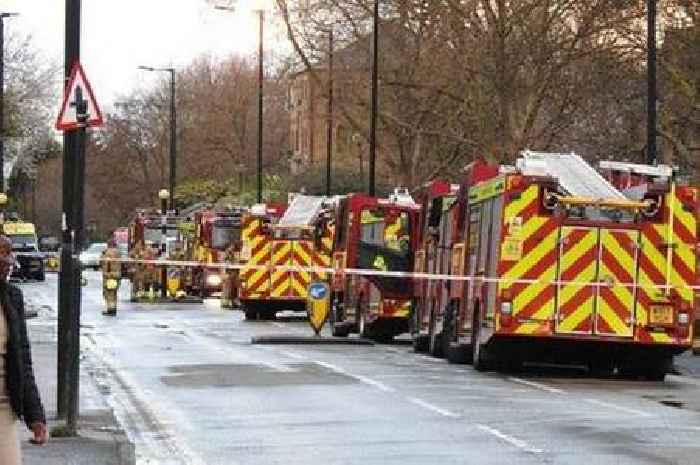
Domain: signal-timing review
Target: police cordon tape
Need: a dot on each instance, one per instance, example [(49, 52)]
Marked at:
[(397, 274)]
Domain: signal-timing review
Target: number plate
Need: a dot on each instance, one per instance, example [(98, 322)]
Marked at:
[(661, 315)]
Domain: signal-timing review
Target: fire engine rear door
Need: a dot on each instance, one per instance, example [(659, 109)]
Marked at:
[(618, 271), (577, 269)]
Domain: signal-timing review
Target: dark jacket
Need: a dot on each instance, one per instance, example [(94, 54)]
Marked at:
[(19, 374)]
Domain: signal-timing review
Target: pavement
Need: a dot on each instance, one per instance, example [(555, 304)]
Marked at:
[(101, 441), (189, 388)]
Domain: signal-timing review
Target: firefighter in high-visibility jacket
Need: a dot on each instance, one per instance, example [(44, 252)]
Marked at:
[(138, 285), (229, 294), (176, 273), (111, 274)]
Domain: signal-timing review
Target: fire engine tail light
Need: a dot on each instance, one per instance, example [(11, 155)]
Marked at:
[(506, 313), (683, 318)]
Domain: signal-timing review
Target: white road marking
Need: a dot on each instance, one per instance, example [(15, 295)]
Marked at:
[(279, 325), (363, 379), (432, 408), (540, 386), (618, 407), (292, 355), (513, 441)]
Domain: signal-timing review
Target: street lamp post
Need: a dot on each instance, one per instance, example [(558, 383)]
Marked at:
[(173, 131), (260, 10), (651, 82), (2, 97), (375, 100), (163, 195)]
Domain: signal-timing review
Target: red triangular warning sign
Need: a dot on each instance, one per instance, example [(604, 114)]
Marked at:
[(78, 84)]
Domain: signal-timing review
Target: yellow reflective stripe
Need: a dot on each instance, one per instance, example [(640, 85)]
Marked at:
[(654, 256), (515, 208), (575, 318), (567, 292), (299, 288), (535, 255), (613, 320), (685, 217), (622, 256), (533, 290), (661, 337)]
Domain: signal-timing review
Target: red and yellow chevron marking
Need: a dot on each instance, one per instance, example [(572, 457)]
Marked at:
[(536, 236), (667, 258), (280, 278), (255, 281), (618, 265), (578, 265)]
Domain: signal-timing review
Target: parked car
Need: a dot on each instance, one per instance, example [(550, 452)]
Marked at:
[(90, 258)]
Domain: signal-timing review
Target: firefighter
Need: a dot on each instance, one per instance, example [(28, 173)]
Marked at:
[(175, 273), (111, 274), (150, 271), (228, 294), (137, 272)]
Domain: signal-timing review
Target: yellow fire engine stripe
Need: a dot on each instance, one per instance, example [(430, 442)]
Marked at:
[(533, 290), (569, 259), (535, 255), (661, 337), (685, 217), (567, 292), (574, 319), (619, 327), (299, 288), (654, 256), (622, 256), (516, 207)]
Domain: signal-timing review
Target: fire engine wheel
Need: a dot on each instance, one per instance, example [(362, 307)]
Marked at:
[(251, 313), (479, 359), (420, 341), (434, 338), (454, 352)]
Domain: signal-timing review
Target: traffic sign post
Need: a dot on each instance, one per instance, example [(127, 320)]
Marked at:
[(79, 111), (318, 304)]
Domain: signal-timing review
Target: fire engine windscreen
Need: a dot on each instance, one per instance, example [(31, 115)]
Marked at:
[(224, 233), (384, 245)]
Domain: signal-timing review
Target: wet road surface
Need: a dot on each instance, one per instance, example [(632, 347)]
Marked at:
[(191, 389)]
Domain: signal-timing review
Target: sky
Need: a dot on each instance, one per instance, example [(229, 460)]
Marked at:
[(120, 35)]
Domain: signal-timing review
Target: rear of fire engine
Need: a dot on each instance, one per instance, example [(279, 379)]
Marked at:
[(280, 255), (432, 255), (378, 235), (564, 267)]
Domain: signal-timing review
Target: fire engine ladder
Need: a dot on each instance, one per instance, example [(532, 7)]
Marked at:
[(574, 175), (303, 212)]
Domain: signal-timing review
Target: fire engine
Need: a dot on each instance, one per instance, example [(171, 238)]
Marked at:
[(276, 239), (377, 235), (215, 231), (563, 265), (432, 255)]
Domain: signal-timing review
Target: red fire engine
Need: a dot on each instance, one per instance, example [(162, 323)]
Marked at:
[(377, 235), (433, 253), (215, 231), (559, 264)]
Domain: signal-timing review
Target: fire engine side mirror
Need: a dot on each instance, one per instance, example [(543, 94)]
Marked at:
[(549, 200)]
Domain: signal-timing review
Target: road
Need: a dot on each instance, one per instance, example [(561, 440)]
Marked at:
[(191, 389)]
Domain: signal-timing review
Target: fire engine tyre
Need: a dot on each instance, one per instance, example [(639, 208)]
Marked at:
[(434, 339), (251, 313), (454, 352), (479, 355)]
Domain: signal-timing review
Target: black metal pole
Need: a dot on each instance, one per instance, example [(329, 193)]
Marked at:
[(74, 324), (329, 147), (66, 275), (261, 14), (375, 102), (163, 247), (651, 82), (173, 139), (2, 103)]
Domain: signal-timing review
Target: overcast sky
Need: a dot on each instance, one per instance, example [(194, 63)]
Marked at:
[(119, 35)]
